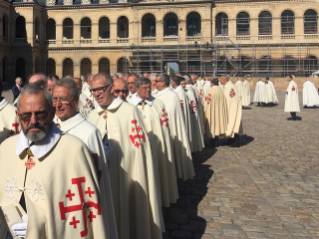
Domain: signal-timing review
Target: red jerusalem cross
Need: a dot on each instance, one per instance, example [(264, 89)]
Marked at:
[(193, 107), (29, 164), (208, 99), (293, 88), (15, 126), (201, 92), (136, 128), (164, 118), (232, 93), (80, 207), (70, 195)]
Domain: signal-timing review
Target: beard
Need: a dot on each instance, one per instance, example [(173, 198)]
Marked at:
[(38, 135)]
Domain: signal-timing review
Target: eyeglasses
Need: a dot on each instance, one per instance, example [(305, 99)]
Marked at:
[(63, 100), (99, 90), (39, 115), (122, 91)]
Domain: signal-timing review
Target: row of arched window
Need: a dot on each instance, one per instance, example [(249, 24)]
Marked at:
[(265, 23)]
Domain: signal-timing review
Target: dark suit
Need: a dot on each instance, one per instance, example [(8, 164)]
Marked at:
[(16, 92)]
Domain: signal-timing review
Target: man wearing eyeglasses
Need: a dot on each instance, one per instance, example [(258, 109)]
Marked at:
[(156, 123), (181, 148), (51, 175), (133, 176), (120, 89)]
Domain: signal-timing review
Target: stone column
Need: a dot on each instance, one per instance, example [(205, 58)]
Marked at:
[(59, 34), (113, 32), (95, 33), (59, 69), (276, 28), (77, 69), (232, 29), (1, 31), (76, 34), (95, 68), (182, 30), (159, 28), (30, 32)]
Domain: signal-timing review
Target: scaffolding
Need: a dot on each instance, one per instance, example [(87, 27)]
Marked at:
[(221, 55)]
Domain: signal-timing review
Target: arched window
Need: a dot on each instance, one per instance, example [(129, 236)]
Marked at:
[(122, 65), (221, 24), (20, 68), (5, 26), (287, 22), (310, 65), (37, 30), (171, 25), (310, 22), (4, 69), (104, 28), (148, 25), (264, 23), (86, 26), (68, 29), (50, 68), (20, 28), (86, 67), (122, 27), (104, 65), (50, 30), (193, 24), (67, 67), (243, 23), (288, 66)]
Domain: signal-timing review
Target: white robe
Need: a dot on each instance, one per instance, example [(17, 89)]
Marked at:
[(246, 94), (9, 124), (59, 183), (309, 94), (134, 179), (292, 98), (184, 101), (274, 95), (181, 148), (270, 93), (260, 93), (156, 123), (239, 86), (196, 123), (85, 106), (206, 87)]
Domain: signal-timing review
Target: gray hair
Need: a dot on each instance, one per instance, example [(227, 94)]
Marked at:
[(108, 78), (71, 85), (18, 78), (165, 78), (35, 89), (187, 79), (142, 81)]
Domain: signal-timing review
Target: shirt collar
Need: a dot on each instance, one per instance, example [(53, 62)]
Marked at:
[(3, 103), (114, 105), (136, 99), (71, 122), (42, 147), (178, 88)]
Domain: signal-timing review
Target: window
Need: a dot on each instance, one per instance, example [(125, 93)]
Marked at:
[(243, 23), (287, 22), (264, 23), (310, 22)]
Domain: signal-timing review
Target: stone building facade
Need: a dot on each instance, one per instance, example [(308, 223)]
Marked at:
[(76, 37)]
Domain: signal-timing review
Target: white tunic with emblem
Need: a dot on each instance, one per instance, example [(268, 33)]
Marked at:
[(9, 124)]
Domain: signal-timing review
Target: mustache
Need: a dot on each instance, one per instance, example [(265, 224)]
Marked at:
[(35, 126)]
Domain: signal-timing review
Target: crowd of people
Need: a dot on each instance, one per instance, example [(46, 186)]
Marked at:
[(100, 158)]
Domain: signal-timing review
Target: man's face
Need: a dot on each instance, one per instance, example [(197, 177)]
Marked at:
[(193, 79), (102, 91), (223, 80), (144, 91), (65, 105), (131, 84), (51, 84), (288, 79), (19, 82), (159, 85), (34, 116), (120, 89), (183, 84)]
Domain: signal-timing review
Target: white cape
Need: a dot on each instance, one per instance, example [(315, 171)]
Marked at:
[(309, 94)]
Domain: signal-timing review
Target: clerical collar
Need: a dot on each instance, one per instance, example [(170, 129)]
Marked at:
[(178, 88), (114, 105), (70, 123), (42, 147), (3, 103), (136, 99)]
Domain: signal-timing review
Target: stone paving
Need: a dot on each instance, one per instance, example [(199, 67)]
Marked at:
[(267, 188)]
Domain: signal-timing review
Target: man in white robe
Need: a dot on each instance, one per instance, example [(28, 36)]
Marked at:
[(196, 120), (156, 123), (206, 86), (131, 84), (234, 107), (51, 176), (273, 90), (134, 180), (260, 96), (9, 124), (85, 106), (292, 98), (181, 148), (216, 114), (184, 101), (239, 85), (120, 89), (245, 93), (309, 95)]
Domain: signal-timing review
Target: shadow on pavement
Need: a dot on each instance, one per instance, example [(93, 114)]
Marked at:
[(181, 218), (245, 139)]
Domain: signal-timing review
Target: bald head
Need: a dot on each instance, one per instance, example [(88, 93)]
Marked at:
[(120, 89), (224, 79), (39, 79), (78, 83)]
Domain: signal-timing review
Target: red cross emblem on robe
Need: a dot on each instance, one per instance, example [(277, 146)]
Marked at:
[(232, 93), (193, 107), (29, 164), (85, 207), (137, 135), (164, 118), (293, 88), (208, 99)]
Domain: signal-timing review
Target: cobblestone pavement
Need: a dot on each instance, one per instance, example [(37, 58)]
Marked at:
[(267, 188)]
